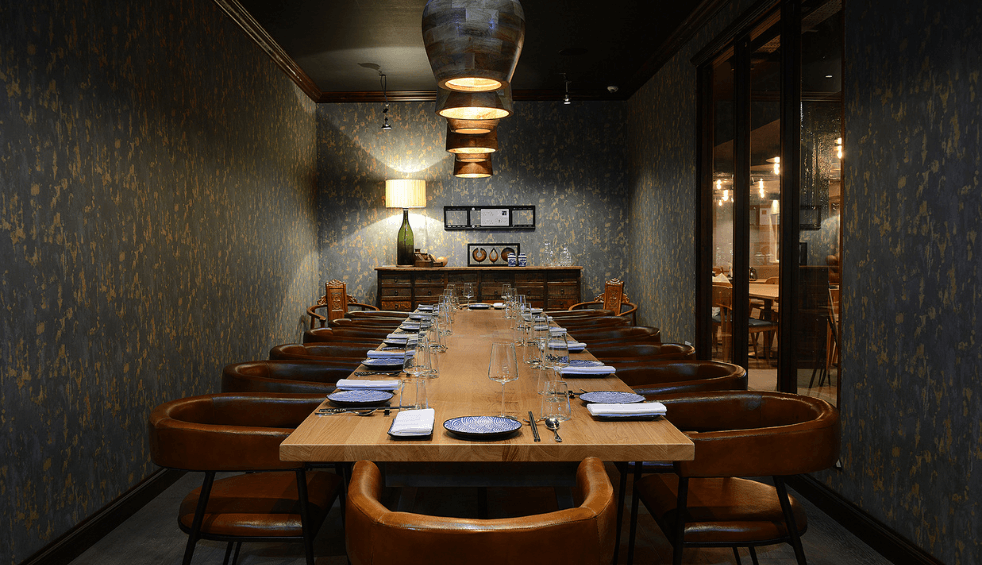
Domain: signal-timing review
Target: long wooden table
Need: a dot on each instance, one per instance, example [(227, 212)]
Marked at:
[(463, 389)]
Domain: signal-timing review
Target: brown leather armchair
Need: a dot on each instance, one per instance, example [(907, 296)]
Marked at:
[(345, 334), (739, 434), (310, 377), (582, 534), (632, 354), (274, 500), (582, 313), (346, 354), (372, 323), (594, 322)]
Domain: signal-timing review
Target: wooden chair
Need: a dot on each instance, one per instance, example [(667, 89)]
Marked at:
[(831, 339), (336, 301), (613, 299), (723, 323)]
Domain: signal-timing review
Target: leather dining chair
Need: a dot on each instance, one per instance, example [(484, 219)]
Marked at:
[(309, 376), (268, 500), (343, 334), (581, 313), (371, 323), (639, 353), (602, 336), (583, 534), (706, 502), (595, 322), (337, 353)]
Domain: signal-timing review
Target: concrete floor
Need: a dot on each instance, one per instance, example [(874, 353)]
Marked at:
[(152, 537)]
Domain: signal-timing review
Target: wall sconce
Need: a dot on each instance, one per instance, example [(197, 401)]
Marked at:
[(473, 46), (405, 194)]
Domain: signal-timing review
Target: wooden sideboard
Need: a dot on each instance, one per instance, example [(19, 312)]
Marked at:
[(404, 288)]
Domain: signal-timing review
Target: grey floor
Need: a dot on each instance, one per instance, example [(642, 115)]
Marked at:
[(152, 536)]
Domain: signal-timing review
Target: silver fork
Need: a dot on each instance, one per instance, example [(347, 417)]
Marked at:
[(355, 411)]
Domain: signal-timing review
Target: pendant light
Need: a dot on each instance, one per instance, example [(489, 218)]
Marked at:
[(475, 105), (460, 143), (471, 127), (473, 45), (472, 169), (566, 83), (385, 111)]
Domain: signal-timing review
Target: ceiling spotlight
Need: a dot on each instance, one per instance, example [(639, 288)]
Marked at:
[(385, 111)]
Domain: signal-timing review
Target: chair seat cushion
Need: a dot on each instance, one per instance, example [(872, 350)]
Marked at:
[(758, 323), (719, 510), (261, 504)]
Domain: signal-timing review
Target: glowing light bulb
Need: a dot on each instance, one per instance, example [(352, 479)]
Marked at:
[(777, 165), (760, 187)]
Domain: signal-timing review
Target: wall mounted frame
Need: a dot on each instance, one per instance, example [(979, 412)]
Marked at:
[(488, 218)]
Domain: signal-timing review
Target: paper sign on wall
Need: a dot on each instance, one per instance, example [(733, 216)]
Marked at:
[(494, 217)]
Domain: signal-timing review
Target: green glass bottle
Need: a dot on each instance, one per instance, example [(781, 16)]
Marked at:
[(405, 243)]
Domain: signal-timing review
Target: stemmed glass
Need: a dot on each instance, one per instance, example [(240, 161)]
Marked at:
[(468, 292), (503, 368), (505, 292), (556, 354)]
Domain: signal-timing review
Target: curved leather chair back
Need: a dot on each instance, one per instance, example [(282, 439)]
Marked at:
[(582, 313), (603, 336), (321, 335), (740, 434), (641, 352), (324, 351), (366, 334), (582, 534), (371, 323), (359, 314), (227, 432), (310, 377), (595, 322), (661, 377)]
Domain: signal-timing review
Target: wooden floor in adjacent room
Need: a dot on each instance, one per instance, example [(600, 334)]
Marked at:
[(152, 537)]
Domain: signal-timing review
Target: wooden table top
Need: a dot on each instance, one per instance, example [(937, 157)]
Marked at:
[(463, 389), (765, 291)]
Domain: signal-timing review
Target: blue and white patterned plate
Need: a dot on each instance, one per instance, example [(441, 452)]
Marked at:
[(382, 362), (359, 397), (584, 363), (611, 397), (482, 427)]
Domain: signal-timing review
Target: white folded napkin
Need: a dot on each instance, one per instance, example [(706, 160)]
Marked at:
[(401, 337), (392, 353), (636, 409), (413, 423), (594, 370), (575, 345), (352, 384), (557, 331), (498, 305)]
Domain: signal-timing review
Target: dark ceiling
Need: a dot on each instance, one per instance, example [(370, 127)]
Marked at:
[(341, 46)]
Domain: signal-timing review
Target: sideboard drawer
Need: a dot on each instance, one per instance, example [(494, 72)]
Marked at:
[(385, 279), (396, 292), (530, 277), (427, 292), (563, 290), (396, 305)]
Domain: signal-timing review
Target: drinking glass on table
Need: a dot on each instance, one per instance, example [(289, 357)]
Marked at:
[(556, 354), (416, 363), (468, 292), (436, 334), (505, 292), (554, 400), (539, 337), (503, 368)]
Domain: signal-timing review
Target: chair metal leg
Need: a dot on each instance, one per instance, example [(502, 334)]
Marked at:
[(235, 556), (753, 555), (228, 552), (736, 555), (795, 539), (199, 515), (308, 536)]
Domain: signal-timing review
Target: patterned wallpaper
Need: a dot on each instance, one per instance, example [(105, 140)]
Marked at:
[(911, 307), (155, 225), (568, 161)]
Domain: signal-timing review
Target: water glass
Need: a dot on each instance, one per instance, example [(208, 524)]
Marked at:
[(503, 368), (556, 354), (555, 400)]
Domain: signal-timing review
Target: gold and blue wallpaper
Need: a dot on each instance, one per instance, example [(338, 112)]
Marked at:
[(157, 221), (569, 161), (912, 282)]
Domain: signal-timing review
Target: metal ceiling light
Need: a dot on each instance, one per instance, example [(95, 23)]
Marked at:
[(473, 45), (460, 143), (473, 169), (385, 111), (475, 105)]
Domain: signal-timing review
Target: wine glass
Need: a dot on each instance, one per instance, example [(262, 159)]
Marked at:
[(503, 368), (556, 354), (468, 292)]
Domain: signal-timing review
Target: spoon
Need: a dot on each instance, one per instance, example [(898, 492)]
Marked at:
[(552, 423)]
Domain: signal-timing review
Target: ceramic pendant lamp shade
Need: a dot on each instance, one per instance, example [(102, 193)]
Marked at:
[(470, 157), (473, 45), (471, 127), (472, 169), (462, 143), (475, 105)]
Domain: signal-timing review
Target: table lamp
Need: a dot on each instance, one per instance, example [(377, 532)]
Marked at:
[(405, 194)]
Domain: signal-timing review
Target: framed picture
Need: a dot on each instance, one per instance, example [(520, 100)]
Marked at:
[(491, 254)]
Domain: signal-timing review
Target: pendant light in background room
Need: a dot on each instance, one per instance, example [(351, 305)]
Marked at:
[(472, 169), (405, 194), (566, 84), (385, 111), (473, 45)]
